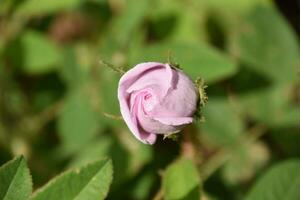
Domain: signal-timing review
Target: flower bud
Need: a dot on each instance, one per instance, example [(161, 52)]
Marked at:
[(156, 99)]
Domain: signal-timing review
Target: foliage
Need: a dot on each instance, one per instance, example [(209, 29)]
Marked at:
[(181, 181), (59, 64), (15, 180)]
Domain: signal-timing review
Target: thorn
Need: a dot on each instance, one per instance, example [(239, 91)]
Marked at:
[(111, 66)]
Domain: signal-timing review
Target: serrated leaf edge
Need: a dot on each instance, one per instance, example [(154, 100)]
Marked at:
[(21, 160), (69, 171)]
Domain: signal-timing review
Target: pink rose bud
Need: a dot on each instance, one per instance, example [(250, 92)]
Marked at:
[(156, 99)]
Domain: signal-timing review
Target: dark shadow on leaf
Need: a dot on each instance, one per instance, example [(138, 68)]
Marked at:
[(194, 194), (120, 161), (119, 157), (284, 141), (215, 30), (161, 28), (247, 80), (216, 187), (14, 54)]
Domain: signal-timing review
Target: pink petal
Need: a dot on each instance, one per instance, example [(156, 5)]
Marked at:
[(159, 77), (144, 136), (171, 102), (125, 82), (181, 100), (149, 124)]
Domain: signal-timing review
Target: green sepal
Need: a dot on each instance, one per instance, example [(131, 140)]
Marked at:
[(172, 63), (173, 136), (203, 99)]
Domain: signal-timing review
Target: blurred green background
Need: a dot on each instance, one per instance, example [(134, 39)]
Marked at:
[(58, 101)]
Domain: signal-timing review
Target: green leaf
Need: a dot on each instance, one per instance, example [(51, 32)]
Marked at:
[(108, 92), (37, 54), (93, 151), (281, 182), (181, 181), (15, 180), (170, 21), (272, 105), (246, 161), (269, 46), (133, 14), (87, 183), (142, 188), (78, 121), (195, 59), (44, 7), (287, 139), (216, 128), (137, 160), (71, 72), (127, 162), (233, 6), (188, 19)]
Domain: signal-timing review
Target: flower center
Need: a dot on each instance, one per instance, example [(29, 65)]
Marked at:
[(149, 102), (147, 96)]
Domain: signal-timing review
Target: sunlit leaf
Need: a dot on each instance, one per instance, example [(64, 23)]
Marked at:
[(282, 181), (87, 183), (246, 161), (272, 105), (78, 121), (71, 72), (35, 53), (109, 92), (129, 20), (195, 59), (142, 188), (93, 151), (269, 46), (181, 181), (15, 180), (169, 21), (223, 125)]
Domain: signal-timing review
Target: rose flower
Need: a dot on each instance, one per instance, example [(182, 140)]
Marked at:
[(156, 98)]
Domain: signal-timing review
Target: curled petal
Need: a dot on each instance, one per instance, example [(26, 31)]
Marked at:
[(149, 124), (158, 76), (181, 101)]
